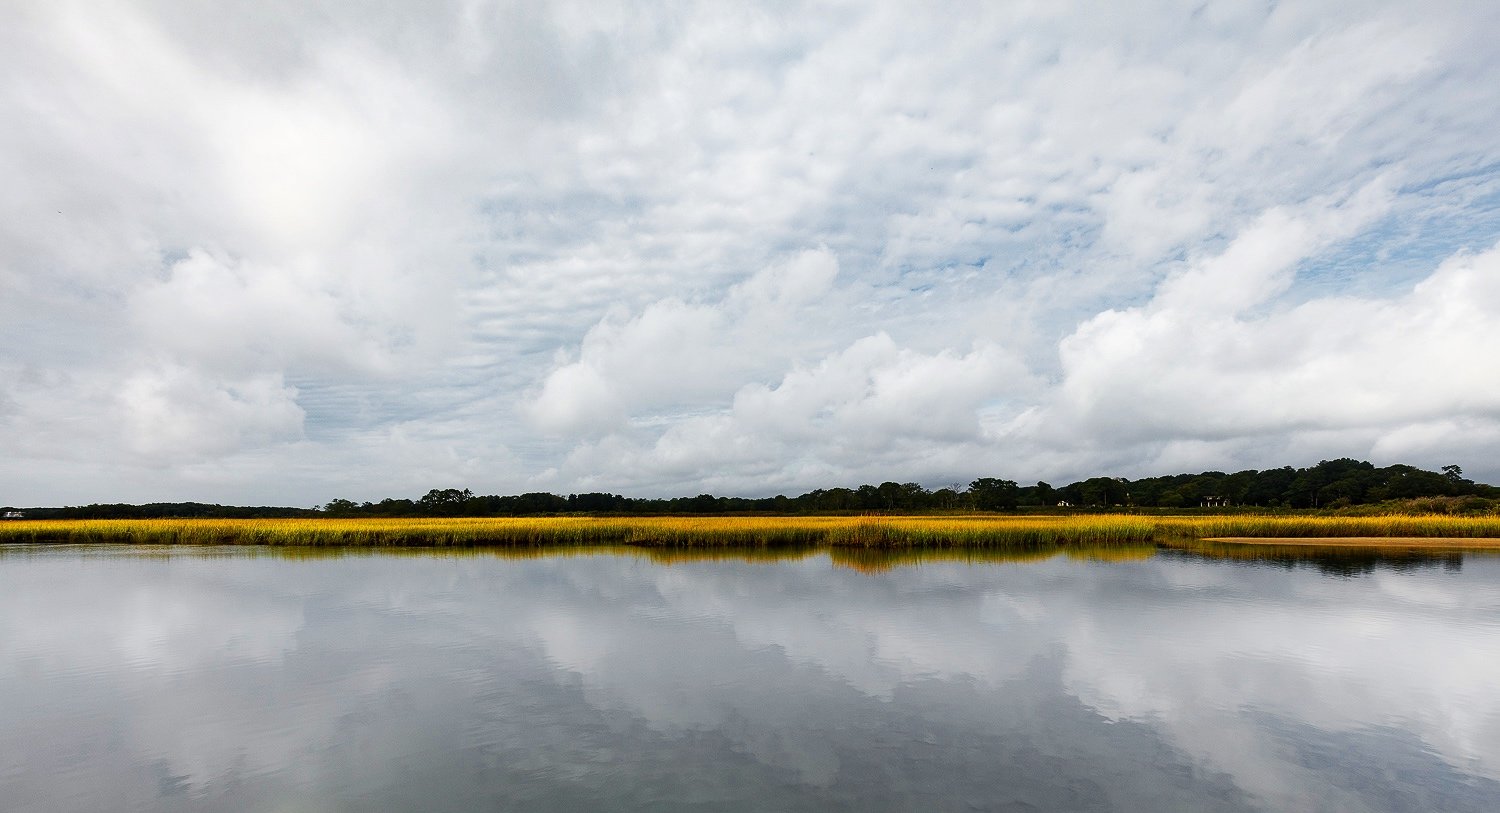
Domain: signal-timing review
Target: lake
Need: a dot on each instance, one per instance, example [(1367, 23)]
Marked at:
[(252, 679)]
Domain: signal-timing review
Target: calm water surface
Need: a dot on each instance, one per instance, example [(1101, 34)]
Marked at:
[(256, 680)]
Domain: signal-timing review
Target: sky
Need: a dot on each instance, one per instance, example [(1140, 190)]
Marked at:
[(282, 252)]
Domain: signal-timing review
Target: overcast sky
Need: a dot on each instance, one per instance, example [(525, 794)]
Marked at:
[(289, 251)]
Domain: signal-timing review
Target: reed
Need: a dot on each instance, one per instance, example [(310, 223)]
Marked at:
[(1271, 526), (1038, 533)]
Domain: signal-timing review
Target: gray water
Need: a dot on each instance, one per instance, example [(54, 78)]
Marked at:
[(253, 680)]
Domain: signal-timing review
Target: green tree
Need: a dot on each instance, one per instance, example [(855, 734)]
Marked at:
[(991, 494), (444, 501), (1101, 491), (1045, 493), (341, 507), (945, 498)]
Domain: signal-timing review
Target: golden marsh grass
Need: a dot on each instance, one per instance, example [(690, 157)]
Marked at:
[(841, 532), (866, 532)]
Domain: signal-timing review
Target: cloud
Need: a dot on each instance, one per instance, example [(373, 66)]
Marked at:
[(870, 407), (557, 233), (217, 314), (172, 415), (1328, 363), (674, 353)]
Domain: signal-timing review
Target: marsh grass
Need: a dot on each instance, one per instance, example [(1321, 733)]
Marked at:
[(686, 532), (1272, 526), (1013, 533)]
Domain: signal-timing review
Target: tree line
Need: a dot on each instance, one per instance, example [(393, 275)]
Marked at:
[(1331, 484)]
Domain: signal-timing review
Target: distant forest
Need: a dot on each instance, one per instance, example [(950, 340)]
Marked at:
[(1332, 484)]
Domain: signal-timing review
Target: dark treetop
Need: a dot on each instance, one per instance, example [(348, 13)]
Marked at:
[(1331, 484)]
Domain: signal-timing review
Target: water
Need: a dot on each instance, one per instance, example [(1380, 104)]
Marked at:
[(256, 680)]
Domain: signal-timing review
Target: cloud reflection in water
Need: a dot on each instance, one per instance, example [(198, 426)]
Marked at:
[(255, 681)]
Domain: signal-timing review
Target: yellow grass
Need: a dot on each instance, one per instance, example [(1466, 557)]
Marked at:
[(878, 532), (1393, 525), (869, 532)]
